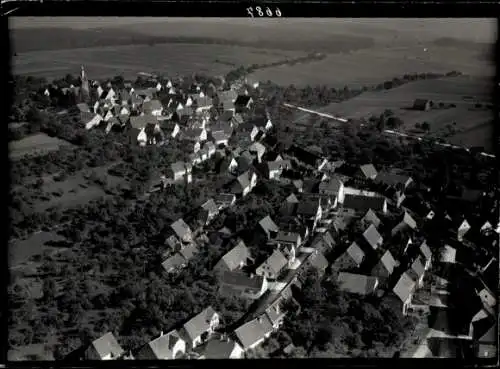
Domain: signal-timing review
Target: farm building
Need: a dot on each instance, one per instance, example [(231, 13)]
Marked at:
[(422, 104)]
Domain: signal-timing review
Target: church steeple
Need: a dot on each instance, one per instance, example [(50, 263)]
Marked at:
[(84, 80)]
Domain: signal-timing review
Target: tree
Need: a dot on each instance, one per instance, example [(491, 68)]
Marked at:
[(49, 289), (425, 126)]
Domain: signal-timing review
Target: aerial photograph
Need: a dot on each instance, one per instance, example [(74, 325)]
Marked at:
[(223, 188)]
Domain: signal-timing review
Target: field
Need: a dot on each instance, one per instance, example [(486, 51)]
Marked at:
[(473, 127), (361, 51), (375, 65), (173, 59), (38, 144)]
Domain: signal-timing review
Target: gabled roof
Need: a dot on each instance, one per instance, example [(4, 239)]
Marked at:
[(238, 254), (279, 164), (425, 250), (417, 268), (210, 206), (308, 207), (388, 261), (372, 236), (189, 251), (355, 252), (199, 323), (292, 199), (151, 105), (268, 225), (363, 202), (286, 236), (325, 239), (141, 121), (173, 262), (253, 331), (161, 347), (404, 287), (275, 262), (274, 311), (180, 228), (448, 255), (393, 179), (409, 221), (372, 218), (220, 349), (357, 283), (368, 170), (107, 345), (333, 185), (244, 179), (242, 280), (224, 198), (317, 260), (242, 100), (258, 148)]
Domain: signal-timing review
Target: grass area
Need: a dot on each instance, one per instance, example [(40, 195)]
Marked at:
[(35, 145), (20, 251)]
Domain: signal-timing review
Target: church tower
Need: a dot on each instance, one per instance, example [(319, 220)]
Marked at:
[(84, 83)]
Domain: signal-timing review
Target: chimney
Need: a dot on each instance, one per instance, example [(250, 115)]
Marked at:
[(161, 333)]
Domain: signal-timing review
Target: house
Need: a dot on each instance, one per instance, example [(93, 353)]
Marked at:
[(93, 122), (167, 346), (417, 272), (254, 332), (448, 254), (385, 267), (269, 227), (222, 348), (487, 298), (210, 209), (243, 103), (275, 313), (357, 283), (245, 183), (288, 240), (422, 104), (263, 123), (403, 290), (227, 99), (220, 137), (173, 243), (274, 169), (195, 134), (244, 159), (307, 158), (483, 329), (234, 259), (104, 348), (367, 171), (189, 251), (352, 258), (240, 284), (406, 223), (174, 263), (315, 260), (273, 266), (323, 242), (227, 164), (371, 218), (171, 129), (224, 200), (372, 237), (362, 203), (258, 150), (333, 187), (426, 254), (152, 107), (198, 329), (139, 127), (310, 210), (182, 230), (463, 228), (179, 170), (393, 180)]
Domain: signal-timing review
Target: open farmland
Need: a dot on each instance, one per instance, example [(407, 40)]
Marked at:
[(174, 59), (38, 144), (374, 65)]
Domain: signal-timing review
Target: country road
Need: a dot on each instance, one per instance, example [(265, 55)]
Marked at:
[(387, 131)]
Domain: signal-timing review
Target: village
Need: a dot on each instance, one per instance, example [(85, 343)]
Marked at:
[(374, 232)]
